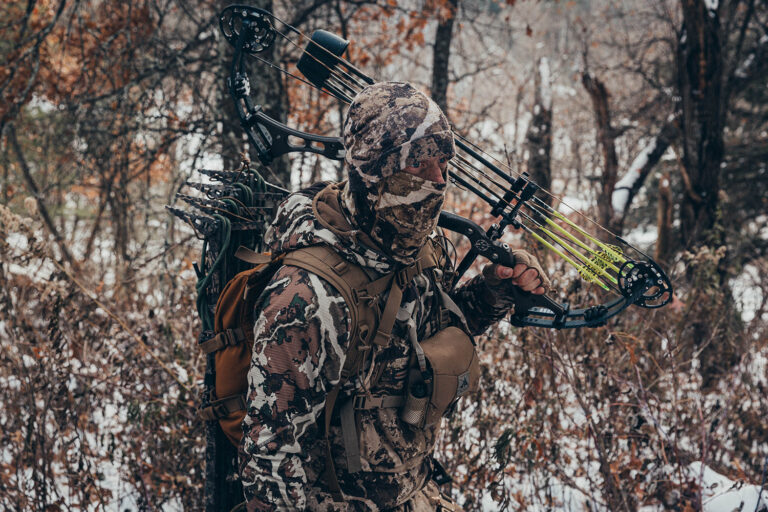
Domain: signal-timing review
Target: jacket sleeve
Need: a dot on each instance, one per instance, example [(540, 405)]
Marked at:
[(300, 340), (481, 305)]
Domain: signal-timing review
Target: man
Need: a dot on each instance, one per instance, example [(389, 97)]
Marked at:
[(398, 145)]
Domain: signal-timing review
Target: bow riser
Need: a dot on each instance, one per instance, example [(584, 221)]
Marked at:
[(251, 31)]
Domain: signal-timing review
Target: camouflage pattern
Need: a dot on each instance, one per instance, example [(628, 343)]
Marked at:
[(391, 126), (301, 335), (407, 210), (295, 226)]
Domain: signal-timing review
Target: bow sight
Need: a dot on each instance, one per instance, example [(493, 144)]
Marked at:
[(511, 196)]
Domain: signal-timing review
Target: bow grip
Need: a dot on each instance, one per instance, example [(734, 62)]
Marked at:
[(526, 301), (482, 244)]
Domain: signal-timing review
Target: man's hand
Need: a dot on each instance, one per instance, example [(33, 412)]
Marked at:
[(527, 274)]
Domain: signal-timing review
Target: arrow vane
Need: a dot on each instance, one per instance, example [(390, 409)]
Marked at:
[(510, 195)]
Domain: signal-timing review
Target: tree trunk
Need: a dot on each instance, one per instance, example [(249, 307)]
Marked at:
[(606, 137), (629, 185), (700, 73), (714, 328), (441, 56), (664, 220), (538, 138)]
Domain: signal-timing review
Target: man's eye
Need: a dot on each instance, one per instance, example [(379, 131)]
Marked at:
[(443, 160)]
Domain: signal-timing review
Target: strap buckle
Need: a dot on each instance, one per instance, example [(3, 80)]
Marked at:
[(359, 402), (222, 407), (364, 402), (361, 295), (404, 276), (368, 402), (340, 267), (444, 320), (231, 337)]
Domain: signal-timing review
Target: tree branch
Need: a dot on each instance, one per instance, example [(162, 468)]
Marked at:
[(629, 185), (35, 192)]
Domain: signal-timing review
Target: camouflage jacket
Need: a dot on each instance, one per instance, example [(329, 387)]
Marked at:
[(301, 335)]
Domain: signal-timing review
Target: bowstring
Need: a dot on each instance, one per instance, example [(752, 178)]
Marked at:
[(285, 71), (590, 265), (333, 71), (340, 79), (546, 191)]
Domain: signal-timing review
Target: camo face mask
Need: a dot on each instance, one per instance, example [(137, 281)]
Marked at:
[(407, 210)]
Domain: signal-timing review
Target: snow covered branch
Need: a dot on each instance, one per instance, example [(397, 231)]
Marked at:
[(628, 185)]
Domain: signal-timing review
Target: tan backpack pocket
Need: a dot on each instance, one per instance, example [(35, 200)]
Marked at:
[(455, 370)]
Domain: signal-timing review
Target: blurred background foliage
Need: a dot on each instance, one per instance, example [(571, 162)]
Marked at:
[(648, 116)]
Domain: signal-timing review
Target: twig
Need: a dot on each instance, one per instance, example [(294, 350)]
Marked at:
[(91, 295), (762, 484), (35, 191)]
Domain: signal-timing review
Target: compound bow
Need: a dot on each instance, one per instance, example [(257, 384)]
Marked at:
[(510, 195)]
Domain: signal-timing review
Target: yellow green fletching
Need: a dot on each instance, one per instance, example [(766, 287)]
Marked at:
[(588, 274), (595, 268), (611, 251), (598, 254), (584, 272), (615, 253)]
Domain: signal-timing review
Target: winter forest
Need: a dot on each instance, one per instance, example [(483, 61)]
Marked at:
[(648, 117)]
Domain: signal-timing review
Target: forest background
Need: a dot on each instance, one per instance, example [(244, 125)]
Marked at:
[(650, 116)]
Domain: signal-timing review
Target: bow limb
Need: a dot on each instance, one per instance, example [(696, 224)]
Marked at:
[(270, 138), (273, 139), (511, 198)]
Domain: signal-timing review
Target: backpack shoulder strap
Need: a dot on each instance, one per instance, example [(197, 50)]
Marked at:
[(349, 280)]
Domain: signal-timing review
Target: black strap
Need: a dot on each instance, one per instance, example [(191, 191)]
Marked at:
[(439, 475), (226, 338), (223, 407)]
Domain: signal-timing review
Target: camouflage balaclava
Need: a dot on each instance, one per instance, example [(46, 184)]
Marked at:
[(391, 126)]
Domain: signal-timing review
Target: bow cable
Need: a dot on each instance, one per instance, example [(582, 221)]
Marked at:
[(340, 76), (462, 164), (475, 170), (593, 269)]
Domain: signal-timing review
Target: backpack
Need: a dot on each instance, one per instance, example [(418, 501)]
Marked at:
[(234, 320), (231, 208)]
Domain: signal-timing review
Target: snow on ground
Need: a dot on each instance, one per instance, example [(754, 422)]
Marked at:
[(747, 292), (721, 494)]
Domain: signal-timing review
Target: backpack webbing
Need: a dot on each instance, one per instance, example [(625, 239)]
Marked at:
[(370, 325)]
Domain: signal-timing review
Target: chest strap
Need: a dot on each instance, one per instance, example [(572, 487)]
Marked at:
[(349, 436), (360, 300)]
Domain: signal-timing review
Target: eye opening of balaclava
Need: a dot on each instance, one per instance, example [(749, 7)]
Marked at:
[(391, 126)]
